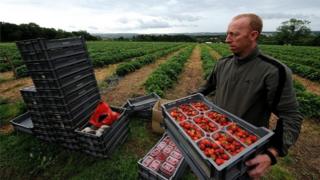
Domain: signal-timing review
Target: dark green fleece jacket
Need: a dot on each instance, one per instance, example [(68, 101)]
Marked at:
[(252, 88)]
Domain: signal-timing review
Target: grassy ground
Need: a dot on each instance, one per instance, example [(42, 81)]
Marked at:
[(24, 157)]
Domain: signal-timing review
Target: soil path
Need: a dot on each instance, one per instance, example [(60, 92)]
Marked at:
[(305, 154), (191, 77)]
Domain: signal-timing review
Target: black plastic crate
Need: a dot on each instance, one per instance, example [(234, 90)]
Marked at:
[(23, 123), (115, 142), (56, 63), (93, 142), (143, 102), (76, 122), (76, 112), (147, 173), (68, 96), (29, 96), (65, 85), (41, 44), (60, 105), (38, 117), (36, 56), (204, 167), (71, 72)]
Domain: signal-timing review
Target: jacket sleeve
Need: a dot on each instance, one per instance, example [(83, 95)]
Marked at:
[(282, 102), (211, 82)]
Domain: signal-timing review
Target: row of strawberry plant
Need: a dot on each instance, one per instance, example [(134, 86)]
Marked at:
[(309, 103), (9, 52), (166, 74), (103, 57), (306, 60), (303, 52), (208, 62), (222, 49), (137, 63), (304, 71)]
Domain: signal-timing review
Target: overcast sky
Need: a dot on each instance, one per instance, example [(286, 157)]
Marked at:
[(154, 16)]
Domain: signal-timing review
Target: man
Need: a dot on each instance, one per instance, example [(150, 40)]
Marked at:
[(252, 85)]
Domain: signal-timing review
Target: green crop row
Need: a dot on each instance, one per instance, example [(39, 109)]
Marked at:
[(304, 71), (103, 57), (166, 74), (306, 60), (302, 52), (309, 103), (222, 49), (137, 63), (208, 62)]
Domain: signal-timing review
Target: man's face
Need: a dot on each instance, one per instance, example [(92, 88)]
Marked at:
[(240, 36)]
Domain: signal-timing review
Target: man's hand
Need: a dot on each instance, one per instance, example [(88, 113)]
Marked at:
[(261, 164)]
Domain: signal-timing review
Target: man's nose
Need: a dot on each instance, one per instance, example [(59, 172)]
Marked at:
[(228, 39)]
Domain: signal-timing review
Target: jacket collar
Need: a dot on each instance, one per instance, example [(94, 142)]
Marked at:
[(248, 58)]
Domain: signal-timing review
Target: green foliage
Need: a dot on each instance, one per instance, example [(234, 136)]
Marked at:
[(10, 110), (139, 62), (293, 31), (166, 74), (208, 62), (13, 32), (309, 103), (278, 172), (22, 71), (104, 53), (222, 49)]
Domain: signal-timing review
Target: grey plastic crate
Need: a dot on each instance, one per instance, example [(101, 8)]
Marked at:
[(147, 173), (143, 102), (204, 167), (23, 123), (93, 142)]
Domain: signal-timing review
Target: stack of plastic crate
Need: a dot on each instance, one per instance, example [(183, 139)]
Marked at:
[(66, 88)]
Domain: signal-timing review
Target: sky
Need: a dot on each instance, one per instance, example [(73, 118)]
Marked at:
[(154, 16)]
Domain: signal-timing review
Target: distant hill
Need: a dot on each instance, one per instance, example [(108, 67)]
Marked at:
[(130, 35)]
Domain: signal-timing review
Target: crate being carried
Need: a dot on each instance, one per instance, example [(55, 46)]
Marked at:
[(214, 142)]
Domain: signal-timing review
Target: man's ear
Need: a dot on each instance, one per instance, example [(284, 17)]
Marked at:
[(254, 35)]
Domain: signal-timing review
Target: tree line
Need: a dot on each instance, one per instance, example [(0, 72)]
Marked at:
[(13, 32)]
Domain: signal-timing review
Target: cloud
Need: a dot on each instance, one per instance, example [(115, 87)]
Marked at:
[(182, 17), (93, 28), (140, 16), (286, 16), (153, 24)]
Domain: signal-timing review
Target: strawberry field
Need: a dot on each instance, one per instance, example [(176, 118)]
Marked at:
[(170, 70)]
